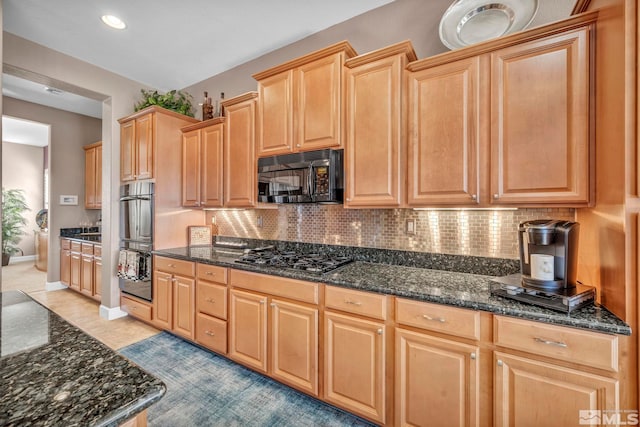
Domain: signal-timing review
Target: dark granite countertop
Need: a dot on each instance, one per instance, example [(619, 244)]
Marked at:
[(460, 289), (53, 374)]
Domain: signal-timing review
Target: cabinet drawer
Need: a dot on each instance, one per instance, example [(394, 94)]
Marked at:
[(439, 318), (212, 273), (357, 302), (76, 246), (582, 347), (211, 333), (87, 248), (175, 266), (135, 308), (65, 243), (97, 251), (212, 299), (277, 286)]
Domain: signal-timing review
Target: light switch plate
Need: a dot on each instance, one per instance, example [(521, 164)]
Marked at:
[(259, 221), (411, 226)]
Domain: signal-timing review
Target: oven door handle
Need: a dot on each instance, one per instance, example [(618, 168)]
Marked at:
[(310, 181), (129, 198)]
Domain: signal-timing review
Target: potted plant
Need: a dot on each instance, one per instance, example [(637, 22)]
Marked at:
[(13, 206), (173, 100)]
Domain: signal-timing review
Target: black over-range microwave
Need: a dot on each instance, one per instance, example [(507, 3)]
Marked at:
[(309, 177)]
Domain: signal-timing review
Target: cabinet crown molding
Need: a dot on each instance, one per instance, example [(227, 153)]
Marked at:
[(240, 98), (156, 109), (488, 46), (203, 124), (404, 47), (93, 145), (342, 46)]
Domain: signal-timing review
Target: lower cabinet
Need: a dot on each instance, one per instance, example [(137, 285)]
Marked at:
[(174, 287), (86, 275), (354, 370), (436, 381), (211, 333), (76, 268), (97, 273), (211, 307), (528, 392), (65, 266), (248, 329), (136, 307), (81, 267)]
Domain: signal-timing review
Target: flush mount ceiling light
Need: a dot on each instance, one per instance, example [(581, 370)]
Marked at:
[(53, 90), (114, 22)]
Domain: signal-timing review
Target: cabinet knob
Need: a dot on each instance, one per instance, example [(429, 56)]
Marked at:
[(348, 199), (262, 302), (174, 280), (473, 356), (273, 304), (500, 362), (379, 331), (496, 196), (298, 145), (474, 197)]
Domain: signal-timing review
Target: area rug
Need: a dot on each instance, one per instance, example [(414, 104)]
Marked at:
[(204, 389)]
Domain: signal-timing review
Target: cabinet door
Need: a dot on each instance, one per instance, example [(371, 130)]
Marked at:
[(97, 278), (184, 302), (211, 181), (65, 266), (162, 299), (354, 357), (446, 128), (128, 151), (90, 178), (86, 275), (211, 299), (144, 147), (436, 381), (76, 267), (294, 345), (317, 104), (248, 329), (540, 121), (275, 122), (98, 179), (211, 333), (374, 134), (191, 168), (240, 169), (532, 393)]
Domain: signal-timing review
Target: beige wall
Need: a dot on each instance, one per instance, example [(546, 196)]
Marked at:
[(22, 168)]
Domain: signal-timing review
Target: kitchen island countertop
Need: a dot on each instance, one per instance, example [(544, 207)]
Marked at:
[(464, 290), (52, 373)]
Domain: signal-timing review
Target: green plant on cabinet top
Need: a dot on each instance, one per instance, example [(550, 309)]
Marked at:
[(174, 100)]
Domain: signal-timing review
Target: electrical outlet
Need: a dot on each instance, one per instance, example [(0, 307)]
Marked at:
[(411, 226), (259, 221)]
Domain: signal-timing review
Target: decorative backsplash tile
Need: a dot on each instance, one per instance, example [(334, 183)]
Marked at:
[(487, 233)]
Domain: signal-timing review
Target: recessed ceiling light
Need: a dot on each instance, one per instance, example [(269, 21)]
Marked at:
[(114, 22), (53, 90)]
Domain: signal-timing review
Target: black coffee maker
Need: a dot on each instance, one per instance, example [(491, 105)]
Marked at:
[(548, 254)]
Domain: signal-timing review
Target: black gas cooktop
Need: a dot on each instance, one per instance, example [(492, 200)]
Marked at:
[(312, 263)]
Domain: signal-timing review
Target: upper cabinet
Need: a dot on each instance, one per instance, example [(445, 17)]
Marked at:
[(202, 164), (300, 102), (139, 133), (375, 143), (93, 176), (505, 122)]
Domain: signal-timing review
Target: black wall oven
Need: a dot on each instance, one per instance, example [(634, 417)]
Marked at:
[(136, 239)]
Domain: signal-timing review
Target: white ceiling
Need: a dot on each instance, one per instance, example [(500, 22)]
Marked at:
[(171, 45), (20, 131)]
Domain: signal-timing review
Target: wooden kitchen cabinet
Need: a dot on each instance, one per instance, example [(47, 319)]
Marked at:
[(97, 272), (202, 164), (446, 133), (75, 269), (86, 275), (248, 329), (240, 166), (174, 296), (375, 148), (93, 176), (65, 261), (211, 307), (300, 102)]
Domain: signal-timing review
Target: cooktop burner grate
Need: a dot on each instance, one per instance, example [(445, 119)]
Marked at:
[(312, 263)]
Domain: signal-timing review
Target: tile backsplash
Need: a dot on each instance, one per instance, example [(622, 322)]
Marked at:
[(488, 233)]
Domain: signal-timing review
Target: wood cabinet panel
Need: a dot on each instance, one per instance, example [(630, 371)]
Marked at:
[(175, 266), (212, 273), (212, 175), (184, 303), (438, 317), (354, 371), (279, 286), (97, 278), (136, 308), (86, 275), (191, 168), (128, 151), (75, 271), (211, 299), (65, 266), (211, 333), (248, 329), (162, 299), (544, 82), (145, 147), (240, 167), (294, 345), (275, 121), (445, 135), (436, 380), (529, 392), (357, 302), (89, 178)]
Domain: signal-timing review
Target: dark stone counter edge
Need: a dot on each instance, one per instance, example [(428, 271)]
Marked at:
[(556, 318), (134, 408), (82, 239)]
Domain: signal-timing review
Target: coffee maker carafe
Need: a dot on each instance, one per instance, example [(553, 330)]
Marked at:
[(548, 253)]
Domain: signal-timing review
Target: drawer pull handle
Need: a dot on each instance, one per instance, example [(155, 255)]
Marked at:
[(209, 273), (435, 319), (547, 342), (171, 265), (211, 300), (134, 308), (210, 333), (356, 303)]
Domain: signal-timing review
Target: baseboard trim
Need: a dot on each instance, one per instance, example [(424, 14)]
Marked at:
[(111, 313), (18, 259), (54, 286)]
